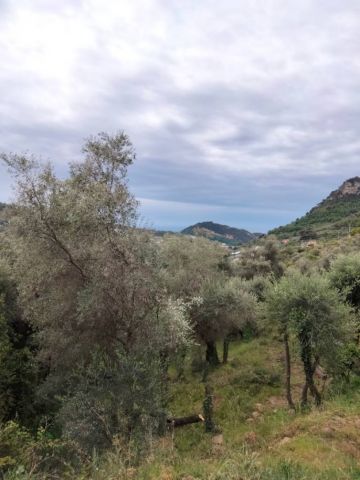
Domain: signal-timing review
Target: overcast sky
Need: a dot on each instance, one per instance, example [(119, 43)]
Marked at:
[(242, 112)]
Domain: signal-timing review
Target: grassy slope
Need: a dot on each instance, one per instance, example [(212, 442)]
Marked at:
[(325, 443), (321, 444)]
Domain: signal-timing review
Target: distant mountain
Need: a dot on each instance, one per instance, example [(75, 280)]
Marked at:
[(336, 215), (221, 233)]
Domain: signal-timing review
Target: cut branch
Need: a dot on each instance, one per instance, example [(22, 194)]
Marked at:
[(181, 421)]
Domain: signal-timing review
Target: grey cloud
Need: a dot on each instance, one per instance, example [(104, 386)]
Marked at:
[(229, 107)]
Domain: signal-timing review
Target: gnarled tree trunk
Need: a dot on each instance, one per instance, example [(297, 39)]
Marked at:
[(304, 394), (309, 370), (212, 356)]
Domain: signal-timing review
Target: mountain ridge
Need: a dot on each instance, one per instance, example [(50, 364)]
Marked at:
[(220, 232)]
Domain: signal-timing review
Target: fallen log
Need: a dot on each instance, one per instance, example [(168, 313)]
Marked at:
[(181, 421)]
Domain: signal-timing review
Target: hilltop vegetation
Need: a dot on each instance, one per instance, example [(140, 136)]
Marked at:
[(336, 215), (125, 356)]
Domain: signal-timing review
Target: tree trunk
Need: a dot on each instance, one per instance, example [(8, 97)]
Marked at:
[(212, 356), (304, 395), (226, 349), (208, 410), (309, 369), (288, 371)]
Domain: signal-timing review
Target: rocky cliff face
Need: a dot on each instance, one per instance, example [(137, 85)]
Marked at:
[(348, 188)]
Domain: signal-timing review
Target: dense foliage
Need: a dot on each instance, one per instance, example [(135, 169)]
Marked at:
[(328, 219), (105, 329), (309, 308)]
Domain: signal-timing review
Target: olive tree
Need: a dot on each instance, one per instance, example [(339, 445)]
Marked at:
[(188, 262), (193, 269), (262, 259), (225, 306), (311, 309), (88, 279), (344, 275)]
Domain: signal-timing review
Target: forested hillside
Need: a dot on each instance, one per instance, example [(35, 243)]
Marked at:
[(128, 356), (220, 233), (337, 215)]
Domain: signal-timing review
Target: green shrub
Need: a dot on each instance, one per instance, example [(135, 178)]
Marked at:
[(22, 453)]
